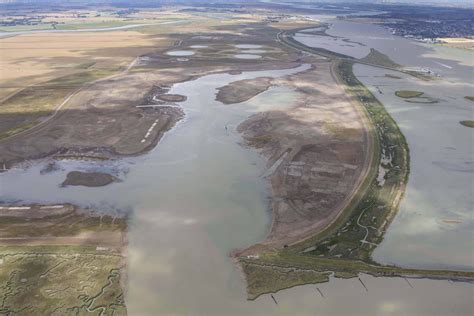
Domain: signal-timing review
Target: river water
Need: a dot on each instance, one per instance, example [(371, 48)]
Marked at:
[(199, 195)]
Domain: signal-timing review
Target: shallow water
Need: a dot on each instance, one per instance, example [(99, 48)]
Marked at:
[(248, 46), (180, 53), (254, 51), (441, 173), (247, 56)]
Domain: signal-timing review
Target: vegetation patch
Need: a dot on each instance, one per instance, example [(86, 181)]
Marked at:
[(25, 108), (467, 123), (345, 246), (470, 98), (422, 100), (377, 58), (61, 284), (263, 279), (57, 260), (266, 273), (362, 224), (172, 97), (89, 179), (243, 90), (408, 94)]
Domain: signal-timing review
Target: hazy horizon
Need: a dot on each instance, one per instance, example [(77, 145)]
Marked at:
[(425, 2)]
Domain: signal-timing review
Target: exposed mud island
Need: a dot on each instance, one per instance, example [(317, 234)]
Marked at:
[(337, 163)]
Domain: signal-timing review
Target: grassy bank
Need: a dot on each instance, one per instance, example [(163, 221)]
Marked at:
[(377, 200), (276, 271)]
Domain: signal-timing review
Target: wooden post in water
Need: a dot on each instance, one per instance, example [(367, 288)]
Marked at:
[(365, 287), (321, 293), (273, 297)]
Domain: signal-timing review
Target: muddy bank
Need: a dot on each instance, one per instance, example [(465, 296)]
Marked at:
[(50, 167), (317, 153), (172, 97), (243, 90), (116, 117), (89, 179)]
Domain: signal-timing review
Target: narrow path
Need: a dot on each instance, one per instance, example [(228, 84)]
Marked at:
[(364, 240)]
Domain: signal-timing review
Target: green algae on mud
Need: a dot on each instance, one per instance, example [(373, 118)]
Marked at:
[(467, 123), (272, 272), (408, 94), (392, 76)]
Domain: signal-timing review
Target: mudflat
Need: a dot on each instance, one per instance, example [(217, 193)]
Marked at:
[(317, 151), (243, 90)]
